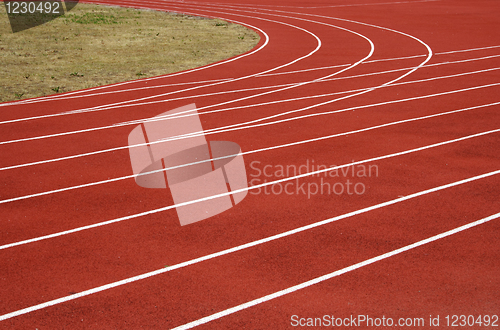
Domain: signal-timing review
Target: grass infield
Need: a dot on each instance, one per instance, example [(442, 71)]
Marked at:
[(95, 45)]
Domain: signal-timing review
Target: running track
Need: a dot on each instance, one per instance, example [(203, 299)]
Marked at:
[(408, 87)]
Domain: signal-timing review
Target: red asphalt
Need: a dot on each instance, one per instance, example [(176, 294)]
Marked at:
[(404, 94)]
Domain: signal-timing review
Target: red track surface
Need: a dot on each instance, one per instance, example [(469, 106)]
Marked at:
[(448, 55)]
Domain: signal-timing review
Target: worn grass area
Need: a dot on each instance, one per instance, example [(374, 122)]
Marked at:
[(97, 45)]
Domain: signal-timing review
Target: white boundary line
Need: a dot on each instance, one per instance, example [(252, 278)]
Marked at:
[(467, 50), (334, 274), (256, 243), (170, 207)]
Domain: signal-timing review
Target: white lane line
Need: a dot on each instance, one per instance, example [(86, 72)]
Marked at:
[(429, 50), (335, 274), (334, 66), (91, 184), (100, 224), (253, 9), (241, 247), (231, 102), (265, 93), (61, 97), (372, 49), (322, 80), (469, 50), (254, 105)]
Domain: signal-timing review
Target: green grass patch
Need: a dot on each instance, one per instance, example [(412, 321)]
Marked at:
[(96, 45), (91, 18)]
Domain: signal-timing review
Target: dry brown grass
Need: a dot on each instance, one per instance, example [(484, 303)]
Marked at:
[(97, 45)]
